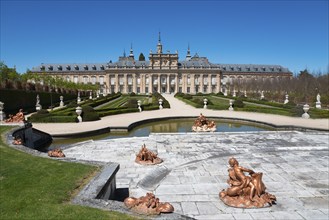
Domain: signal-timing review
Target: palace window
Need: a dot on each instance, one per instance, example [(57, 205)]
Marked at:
[(112, 81), (76, 67), (68, 67), (85, 79), (93, 80), (130, 80), (101, 80), (85, 67), (138, 80), (68, 79), (213, 80), (75, 79)]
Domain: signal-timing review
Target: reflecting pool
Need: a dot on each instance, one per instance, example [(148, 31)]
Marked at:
[(166, 126)]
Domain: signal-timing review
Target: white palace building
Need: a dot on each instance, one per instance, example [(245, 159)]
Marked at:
[(163, 73)]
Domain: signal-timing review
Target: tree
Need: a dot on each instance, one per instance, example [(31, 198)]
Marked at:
[(141, 57), (8, 73)]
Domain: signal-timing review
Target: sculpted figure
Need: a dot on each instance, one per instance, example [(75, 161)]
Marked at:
[(56, 153), (202, 124), (149, 205), (18, 141), (245, 191), (147, 157), (19, 117)]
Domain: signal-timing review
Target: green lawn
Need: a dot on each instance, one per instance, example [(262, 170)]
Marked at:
[(39, 188)]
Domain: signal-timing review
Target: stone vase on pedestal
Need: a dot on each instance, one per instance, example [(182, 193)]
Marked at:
[(78, 110), (205, 101), (306, 107), (160, 104), (231, 103)]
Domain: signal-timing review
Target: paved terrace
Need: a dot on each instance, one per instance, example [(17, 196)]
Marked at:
[(194, 171), (294, 163), (178, 109)]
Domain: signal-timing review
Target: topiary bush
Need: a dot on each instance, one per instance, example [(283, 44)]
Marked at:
[(238, 103), (89, 114)]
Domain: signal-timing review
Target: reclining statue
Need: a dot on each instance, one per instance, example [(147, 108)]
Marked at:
[(56, 153), (148, 205), (245, 191)]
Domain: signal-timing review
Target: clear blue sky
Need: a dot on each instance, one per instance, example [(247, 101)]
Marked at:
[(293, 34)]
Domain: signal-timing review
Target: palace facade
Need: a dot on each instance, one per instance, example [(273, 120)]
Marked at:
[(163, 73)]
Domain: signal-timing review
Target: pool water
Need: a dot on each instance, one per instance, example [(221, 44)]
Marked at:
[(166, 126)]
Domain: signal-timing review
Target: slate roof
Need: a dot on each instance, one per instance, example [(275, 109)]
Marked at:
[(194, 62)]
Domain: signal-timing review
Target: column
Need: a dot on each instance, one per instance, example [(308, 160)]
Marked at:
[(125, 83), (209, 83), (134, 82), (184, 87), (192, 88), (151, 83), (141, 85), (116, 89), (176, 83), (159, 84), (218, 83), (201, 83), (168, 83)]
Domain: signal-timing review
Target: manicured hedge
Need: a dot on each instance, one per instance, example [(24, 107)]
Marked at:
[(15, 99)]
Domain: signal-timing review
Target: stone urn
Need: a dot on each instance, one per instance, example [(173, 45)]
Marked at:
[(139, 105), (78, 110), (231, 107), (306, 107), (205, 101), (160, 104)]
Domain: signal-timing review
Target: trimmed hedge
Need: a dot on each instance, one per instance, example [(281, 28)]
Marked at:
[(15, 99), (89, 114)]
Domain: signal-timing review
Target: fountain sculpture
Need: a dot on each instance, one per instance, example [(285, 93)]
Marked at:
[(19, 117), (148, 205), (202, 124), (147, 157), (245, 191), (56, 153)]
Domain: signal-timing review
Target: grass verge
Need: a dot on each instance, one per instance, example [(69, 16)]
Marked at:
[(39, 188)]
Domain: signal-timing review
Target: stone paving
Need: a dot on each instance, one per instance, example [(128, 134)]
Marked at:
[(295, 167)]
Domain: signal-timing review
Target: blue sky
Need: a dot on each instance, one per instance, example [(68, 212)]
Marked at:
[(293, 34)]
